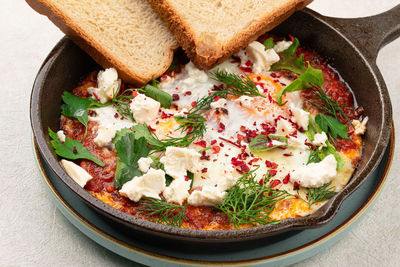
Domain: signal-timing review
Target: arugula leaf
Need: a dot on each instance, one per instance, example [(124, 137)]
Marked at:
[(311, 77), (269, 43), (72, 149), (129, 150), (262, 142), (331, 126), (157, 94), (289, 61)]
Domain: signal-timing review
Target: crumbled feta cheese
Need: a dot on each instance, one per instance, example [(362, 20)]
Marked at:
[(178, 160), (245, 101), (262, 59), (300, 116), (218, 104), (194, 75), (284, 127), (177, 191), (316, 174), (105, 135), (282, 46), (108, 85), (150, 184), (61, 135), (208, 196), (182, 113), (226, 181), (144, 164), (360, 127), (77, 173), (144, 109), (320, 140)]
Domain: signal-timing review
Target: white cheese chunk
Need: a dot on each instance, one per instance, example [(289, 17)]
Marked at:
[(320, 140), (316, 174), (208, 196), (177, 191), (77, 173), (144, 109), (150, 184), (245, 101), (108, 85), (282, 46), (300, 116), (61, 135), (182, 113), (218, 104), (360, 127), (144, 164), (178, 160), (194, 75), (262, 59), (284, 127)]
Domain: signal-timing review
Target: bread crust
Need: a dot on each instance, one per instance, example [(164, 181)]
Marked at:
[(93, 47), (205, 56)]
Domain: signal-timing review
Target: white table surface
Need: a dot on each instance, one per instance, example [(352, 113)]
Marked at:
[(33, 232)]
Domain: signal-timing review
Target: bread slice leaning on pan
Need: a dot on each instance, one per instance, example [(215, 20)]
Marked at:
[(212, 30), (125, 34)]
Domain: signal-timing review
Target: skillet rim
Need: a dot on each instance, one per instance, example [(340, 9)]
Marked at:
[(204, 236)]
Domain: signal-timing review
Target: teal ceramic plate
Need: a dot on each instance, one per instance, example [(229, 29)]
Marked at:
[(279, 250)]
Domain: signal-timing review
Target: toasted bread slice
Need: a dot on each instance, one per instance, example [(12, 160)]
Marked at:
[(125, 34), (212, 30)]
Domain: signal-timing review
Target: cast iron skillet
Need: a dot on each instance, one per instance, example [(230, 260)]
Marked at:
[(350, 45)]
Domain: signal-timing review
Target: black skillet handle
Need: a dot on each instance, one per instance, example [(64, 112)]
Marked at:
[(370, 34)]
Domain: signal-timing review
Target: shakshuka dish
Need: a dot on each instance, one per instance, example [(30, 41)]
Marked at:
[(272, 133)]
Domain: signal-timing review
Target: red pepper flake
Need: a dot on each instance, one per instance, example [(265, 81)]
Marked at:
[(296, 186), (310, 145), (151, 129), (187, 178), (116, 115), (187, 93), (216, 149), (95, 96), (275, 183), (135, 93), (286, 179), (248, 63), (273, 75), (175, 97), (258, 78), (235, 162), (122, 86), (217, 97), (291, 38), (288, 154), (230, 142), (221, 126), (271, 164), (189, 130), (165, 115), (204, 170), (122, 118), (204, 157), (201, 143), (243, 128), (240, 137), (193, 103), (244, 168), (272, 173), (246, 69), (221, 144), (75, 150), (213, 142)]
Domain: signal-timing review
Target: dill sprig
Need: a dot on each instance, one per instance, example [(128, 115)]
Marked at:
[(251, 202), (163, 212), (330, 106), (319, 194), (122, 103)]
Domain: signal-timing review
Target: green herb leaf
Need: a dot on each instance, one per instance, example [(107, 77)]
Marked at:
[(269, 43), (191, 177), (72, 149), (319, 194), (311, 77), (162, 212), (262, 143), (289, 61), (331, 126), (157, 94), (251, 202), (129, 150)]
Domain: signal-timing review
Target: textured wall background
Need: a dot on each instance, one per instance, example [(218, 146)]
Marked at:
[(34, 232)]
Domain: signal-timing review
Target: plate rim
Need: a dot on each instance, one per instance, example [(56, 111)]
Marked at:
[(308, 246)]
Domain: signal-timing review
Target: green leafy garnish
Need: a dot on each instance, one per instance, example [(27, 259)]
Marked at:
[(162, 211), (331, 126), (157, 94), (72, 149), (311, 77), (129, 150), (262, 142), (289, 60), (319, 194), (269, 43), (251, 202)]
